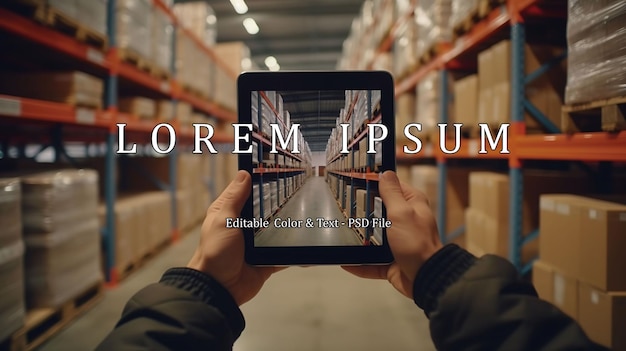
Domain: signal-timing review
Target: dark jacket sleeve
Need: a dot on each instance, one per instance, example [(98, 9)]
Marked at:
[(484, 304), (187, 310)]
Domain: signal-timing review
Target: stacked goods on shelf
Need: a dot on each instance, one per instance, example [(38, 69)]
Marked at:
[(405, 113), (194, 68), (404, 47), (494, 82), (134, 29), (70, 87), (378, 213), (183, 112), (462, 13), (586, 278), (164, 110), (199, 18), (138, 107), (466, 100), (487, 218), (61, 232), (89, 13), (433, 26), (142, 224), (426, 179), (12, 310), (595, 59), (161, 44), (427, 106), (236, 58), (384, 10)]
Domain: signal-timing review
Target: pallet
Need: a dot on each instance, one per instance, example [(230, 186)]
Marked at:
[(432, 52), (34, 9), (607, 115), (43, 323), (66, 24), (135, 59)]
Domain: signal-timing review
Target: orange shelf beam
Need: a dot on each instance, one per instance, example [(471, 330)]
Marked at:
[(262, 139), (132, 73), (276, 170), (206, 106), (371, 176), (576, 147), (37, 33), (47, 111)]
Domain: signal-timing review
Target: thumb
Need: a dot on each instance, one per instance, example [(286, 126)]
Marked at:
[(234, 197), (391, 192)]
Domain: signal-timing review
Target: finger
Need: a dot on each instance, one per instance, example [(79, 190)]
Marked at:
[(234, 196), (368, 272), (413, 195), (391, 192)]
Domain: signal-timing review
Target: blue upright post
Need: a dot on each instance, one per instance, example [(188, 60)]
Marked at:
[(110, 158), (516, 184), (441, 164), (173, 156)]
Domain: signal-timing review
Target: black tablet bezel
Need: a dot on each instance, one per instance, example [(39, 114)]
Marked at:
[(316, 80)]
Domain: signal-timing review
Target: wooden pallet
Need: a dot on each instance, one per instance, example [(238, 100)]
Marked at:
[(66, 24), (35, 9), (143, 64), (607, 115), (43, 323), (432, 52)]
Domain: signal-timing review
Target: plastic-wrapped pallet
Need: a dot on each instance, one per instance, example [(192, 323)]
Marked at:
[(134, 26), (92, 13), (274, 195), (199, 18), (10, 211), (378, 213), (67, 7), (61, 233), (596, 37), (461, 10), (256, 200), (267, 200), (12, 309), (433, 24), (404, 58), (162, 31), (427, 102), (194, 68)]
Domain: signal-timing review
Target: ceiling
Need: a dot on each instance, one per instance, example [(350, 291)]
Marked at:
[(316, 112), (302, 35)]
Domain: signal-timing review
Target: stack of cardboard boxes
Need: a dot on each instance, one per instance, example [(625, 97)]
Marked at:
[(487, 217), (582, 268), (494, 84)]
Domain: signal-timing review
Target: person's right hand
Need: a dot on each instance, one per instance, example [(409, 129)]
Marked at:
[(413, 236)]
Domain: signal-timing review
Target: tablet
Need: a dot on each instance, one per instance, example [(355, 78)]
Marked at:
[(315, 144)]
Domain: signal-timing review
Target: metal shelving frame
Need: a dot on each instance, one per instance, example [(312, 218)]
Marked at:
[(109, 65), (594, 147)]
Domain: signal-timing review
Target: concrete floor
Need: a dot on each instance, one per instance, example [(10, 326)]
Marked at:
[(313, 200), (305, 309)]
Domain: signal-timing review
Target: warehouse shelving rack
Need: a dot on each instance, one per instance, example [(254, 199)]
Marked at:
[(357, 176), (599, 147), (261, 172), (98, 126)]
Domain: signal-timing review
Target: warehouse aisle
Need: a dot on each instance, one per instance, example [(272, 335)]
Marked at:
[(305, 309), (313, 200)]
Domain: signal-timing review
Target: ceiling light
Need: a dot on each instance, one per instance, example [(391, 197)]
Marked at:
[(270, 61), (246, 64), (211, 19), (239, 6), (251, 26), (275, 68)]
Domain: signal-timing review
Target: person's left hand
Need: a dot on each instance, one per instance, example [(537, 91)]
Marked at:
[(221, 250)]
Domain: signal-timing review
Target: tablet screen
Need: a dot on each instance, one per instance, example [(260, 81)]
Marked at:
[(316, 159)]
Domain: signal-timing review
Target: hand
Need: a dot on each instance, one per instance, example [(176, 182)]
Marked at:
[(221, 250), (413, 236)]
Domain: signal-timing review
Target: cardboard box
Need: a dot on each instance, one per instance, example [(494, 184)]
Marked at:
[(560, 222), (348, 199), (233, 54), (466, 100), (543, 280), (602, 316), (70, 87), (183, 112), (164, 110), (565, 293), (405, 112), (137, 106), (602, 262)]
